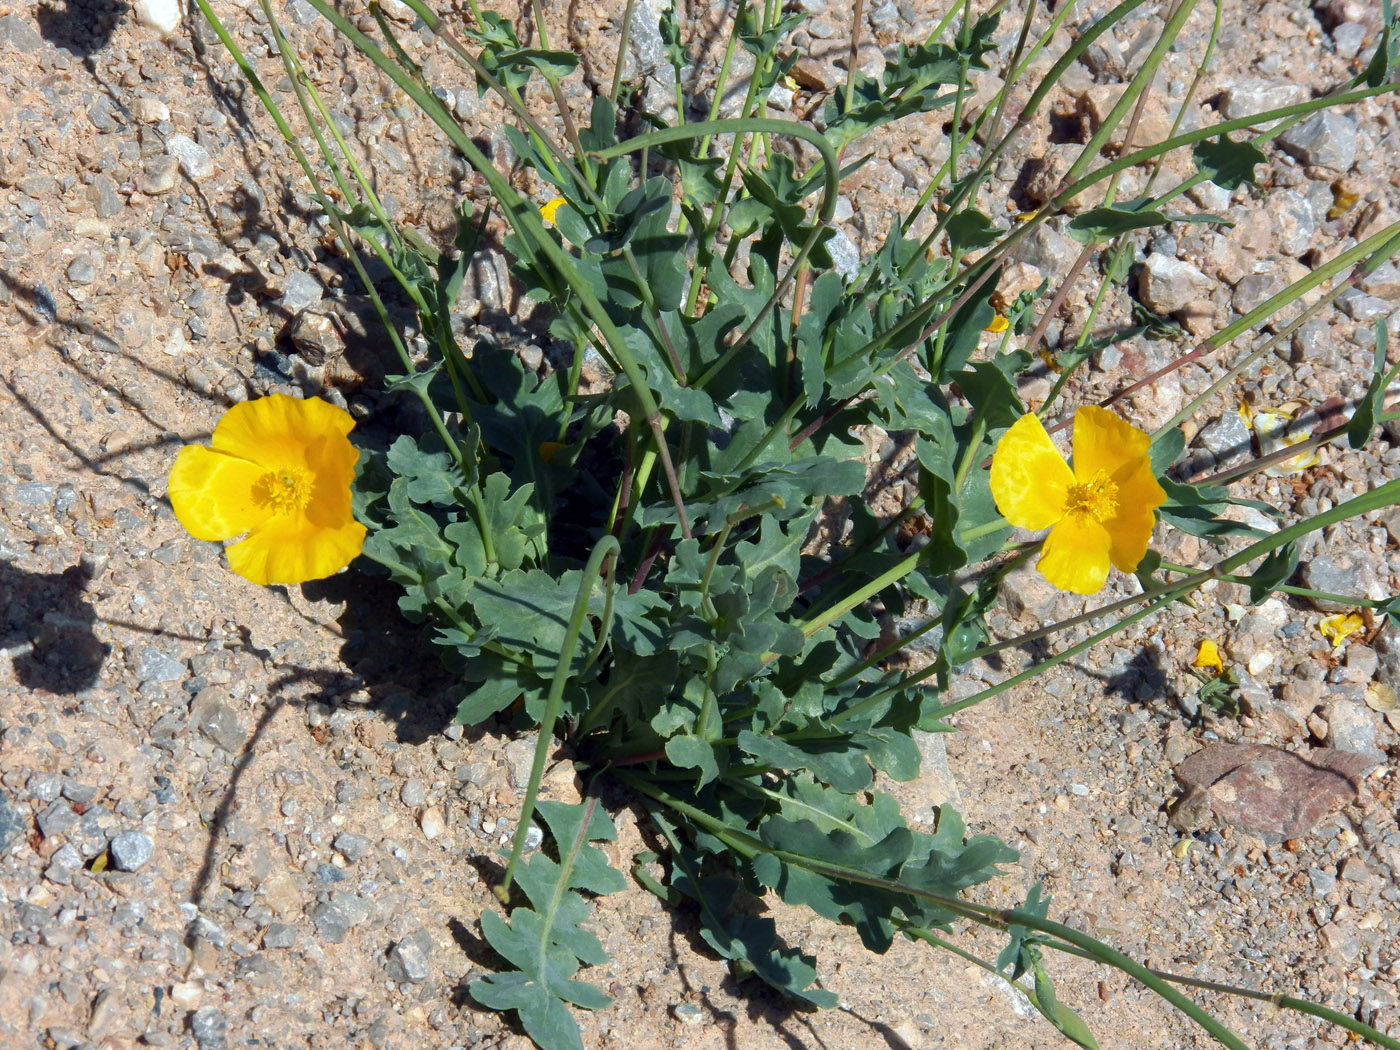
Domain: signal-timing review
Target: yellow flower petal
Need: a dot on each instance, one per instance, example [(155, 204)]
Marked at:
[(549, 449), (1104, 442), (212, 493), (1208, 657), (1130, 529), (1075, 555), (291, 549), (999, 324), (1029, 479), (275, 430), (551, 208), (1337, 628)]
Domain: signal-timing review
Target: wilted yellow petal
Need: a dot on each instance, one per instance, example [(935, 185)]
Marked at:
[(1029, 479), (548, 450), (1208, 657), (550, 209), (1336, 628), (1075, 555)]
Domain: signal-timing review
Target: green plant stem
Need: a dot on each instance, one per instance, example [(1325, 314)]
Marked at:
[(554, 702), (1285, 1002), (1285, 588), (838, 609)]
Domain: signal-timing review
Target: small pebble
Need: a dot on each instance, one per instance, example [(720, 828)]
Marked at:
[(131, 850)]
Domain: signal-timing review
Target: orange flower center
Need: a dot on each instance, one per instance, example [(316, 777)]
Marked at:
[(1097, 497), (285, 491)]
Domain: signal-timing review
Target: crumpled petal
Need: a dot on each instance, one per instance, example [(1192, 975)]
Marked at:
[(1075, 556), (1208, 657), (1029, 478), (1104, 442), (212, 493)]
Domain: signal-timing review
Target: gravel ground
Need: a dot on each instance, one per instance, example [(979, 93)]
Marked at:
[(233, 816)]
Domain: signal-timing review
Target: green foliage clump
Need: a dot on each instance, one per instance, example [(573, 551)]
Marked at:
[(679, 575)]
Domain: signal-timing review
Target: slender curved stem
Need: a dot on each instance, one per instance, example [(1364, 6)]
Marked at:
[(554, 702)]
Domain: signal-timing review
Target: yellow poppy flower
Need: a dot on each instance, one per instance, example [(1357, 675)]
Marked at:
[(1099, 512), (551, 208), (999, 324), (279, 471)]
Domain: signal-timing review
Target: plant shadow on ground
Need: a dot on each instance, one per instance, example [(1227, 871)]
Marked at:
[(47, 628), (1143, 680)]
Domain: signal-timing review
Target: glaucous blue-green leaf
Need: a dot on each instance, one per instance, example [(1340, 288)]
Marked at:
[(1228, 164)]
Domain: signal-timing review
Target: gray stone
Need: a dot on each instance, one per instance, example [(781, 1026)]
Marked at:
[(646, 59), (81, 270), (156, 666), (1293, 222), (44, 787), (279, 935), (217, 720), (162, 173), (131, 850), (1324, 140), (1383, 281), (13, 821), (1029, 594), (1047, 250), (352, 846), (1339, 573), (57, 819), (1350, 727), (413, 792), (1227, 438), (520, 757), (410, 959), (75, 792), (34, 494), (209, 1027), (20, 34), (1254, 289), (300, 291), (100, 115), (1168, 285), (1349, 38), (1247, 97), (194, 159), (1365, 308), (335, 917), (45, 305), (1322, 881), (845, 257)]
